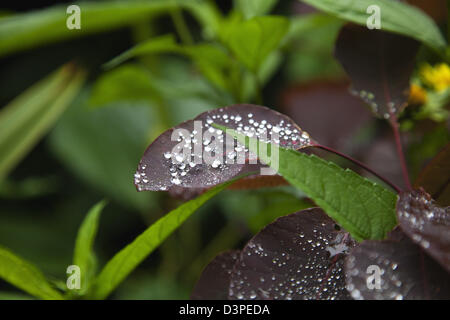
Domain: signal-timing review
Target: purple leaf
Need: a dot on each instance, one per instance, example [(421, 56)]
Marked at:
[(426, 224), (405, 272), (215, 279), (379, 65), (299, 256), (169, 162), (257, 181), (435, 177), (328, 112), (380, 155)]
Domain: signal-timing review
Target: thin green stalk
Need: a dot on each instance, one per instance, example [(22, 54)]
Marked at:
[(258, 89), (180, 24)]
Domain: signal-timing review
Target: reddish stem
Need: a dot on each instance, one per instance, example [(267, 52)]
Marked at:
[(392, 117), (360, 164), (398, 143)]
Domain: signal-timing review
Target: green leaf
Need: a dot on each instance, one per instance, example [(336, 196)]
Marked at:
[(213, 62), (26, 119), (207, 14), (396, 16), (126, 260), (210, 59), (362, 207), (84, 256), (25, 276), (161, 44), (124, 84), (253, 40), (28, 30), (303, 25), (252, 8), (102, 146)]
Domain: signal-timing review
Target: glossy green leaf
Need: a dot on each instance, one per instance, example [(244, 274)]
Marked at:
[(396, 16), (26, 119), (28, 30), (25, 276), (126, 260), (253, 40), (252, 8), (84, 256), (362, 207)]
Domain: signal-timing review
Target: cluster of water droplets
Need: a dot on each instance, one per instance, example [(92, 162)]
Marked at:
[(187, 159), (140, 177), (369, 98), (416, 211), (391, 286), (301, 270)]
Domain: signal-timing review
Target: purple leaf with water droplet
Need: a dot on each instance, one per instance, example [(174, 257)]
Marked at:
[(345, 114), (435, 177), (426, 224), (403, 269), (299, 256), (379, 64), (215, 279), (194, 154)]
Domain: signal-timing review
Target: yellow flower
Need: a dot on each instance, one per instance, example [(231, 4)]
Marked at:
[(417, 95), (437, 77)]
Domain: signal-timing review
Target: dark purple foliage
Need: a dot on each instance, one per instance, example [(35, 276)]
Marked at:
[(379, 65), (163, 165), (215, 279), (299, 256), (426, 224), (328, 112), (435, 178), (406, 272)]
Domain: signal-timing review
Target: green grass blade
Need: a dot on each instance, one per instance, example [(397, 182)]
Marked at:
[(84, 256), (27, 30), (25, 276), (126, 260), (26, 119)]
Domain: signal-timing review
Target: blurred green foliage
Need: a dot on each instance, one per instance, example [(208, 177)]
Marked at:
[(139, 67)]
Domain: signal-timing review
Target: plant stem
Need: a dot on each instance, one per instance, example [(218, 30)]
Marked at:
[(258, 89), (392, 117), (398, 143), (180, 25), (360, 164)]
